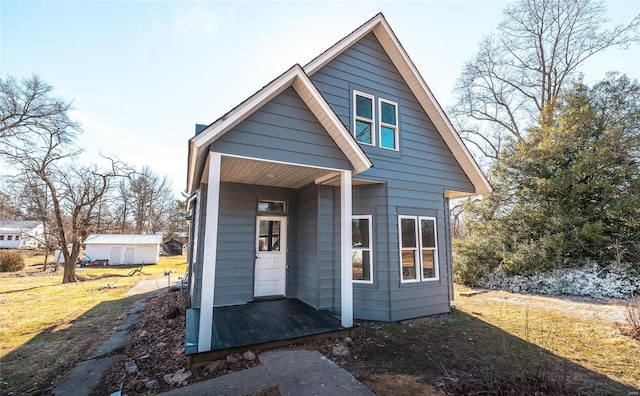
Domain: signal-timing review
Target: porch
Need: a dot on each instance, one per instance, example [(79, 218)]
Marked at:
[(264, 324)]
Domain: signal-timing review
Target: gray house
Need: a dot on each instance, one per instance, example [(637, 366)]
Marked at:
[(329, 186)]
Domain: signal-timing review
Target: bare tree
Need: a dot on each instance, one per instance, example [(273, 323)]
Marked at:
[(521, 69), (152, 201), (39, 138), (8, 209), (34, 202), (26, 106)]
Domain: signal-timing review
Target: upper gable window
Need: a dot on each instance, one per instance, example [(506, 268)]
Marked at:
[(364, 116), (388, 124)]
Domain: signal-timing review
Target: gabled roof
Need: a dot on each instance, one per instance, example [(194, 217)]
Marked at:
[(123, 239), (18, 225), (381, 29), (294, 77)]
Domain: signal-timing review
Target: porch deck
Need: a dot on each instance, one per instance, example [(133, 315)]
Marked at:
[(267, 324)]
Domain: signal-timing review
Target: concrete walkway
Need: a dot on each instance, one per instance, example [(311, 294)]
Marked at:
[(85, 376), (294, 372)]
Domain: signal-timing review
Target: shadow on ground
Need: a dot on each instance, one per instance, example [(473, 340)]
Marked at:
[(462, 354), (42, 363)]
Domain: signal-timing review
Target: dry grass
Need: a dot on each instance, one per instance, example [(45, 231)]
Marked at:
[(46, 326), (633, 318), (583, 338)]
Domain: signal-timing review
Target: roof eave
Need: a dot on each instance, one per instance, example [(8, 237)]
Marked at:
[(294, 77)]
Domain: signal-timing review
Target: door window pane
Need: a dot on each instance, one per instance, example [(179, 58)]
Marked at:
[(269, 239)]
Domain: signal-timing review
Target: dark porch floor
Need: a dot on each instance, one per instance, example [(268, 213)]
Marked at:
[(267, 321)]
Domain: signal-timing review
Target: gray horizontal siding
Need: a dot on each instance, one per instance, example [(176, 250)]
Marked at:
[(307, 250), (235, 260), (284, 129), (329, 249), (416, 178), (371, 301)]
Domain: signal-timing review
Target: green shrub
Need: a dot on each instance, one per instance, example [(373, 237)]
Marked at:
[(474, 258), (11, 261)]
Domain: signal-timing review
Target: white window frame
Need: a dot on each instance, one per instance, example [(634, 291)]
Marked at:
[(418, 249), (284, 205), (357, 118), (436, 267), (381, 124), (369, 249)]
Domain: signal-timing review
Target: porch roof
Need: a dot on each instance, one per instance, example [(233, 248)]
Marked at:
[(294, 77)]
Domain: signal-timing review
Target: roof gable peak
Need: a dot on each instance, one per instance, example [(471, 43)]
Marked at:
[(391, 45)]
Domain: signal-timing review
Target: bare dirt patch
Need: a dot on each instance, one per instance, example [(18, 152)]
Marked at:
[(467, 352)]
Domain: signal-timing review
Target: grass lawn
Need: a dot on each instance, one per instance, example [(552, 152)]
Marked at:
[(500, 343), (577, 337), (46, 327)]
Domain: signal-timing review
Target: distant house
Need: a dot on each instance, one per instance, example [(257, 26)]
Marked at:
[(16, 234), (329, 186), (123, 249)]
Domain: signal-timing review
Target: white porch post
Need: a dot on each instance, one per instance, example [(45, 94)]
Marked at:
[(210, 241), (346, 285)]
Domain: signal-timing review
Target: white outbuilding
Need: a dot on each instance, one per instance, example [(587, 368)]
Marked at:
[(123, 249), (16, 234)]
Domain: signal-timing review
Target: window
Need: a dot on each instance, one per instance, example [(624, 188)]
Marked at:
[(9, 237), (388, 124), (272, 206), (364, 116), (17, 237), (361, 257), (418, 252), (1, 237)]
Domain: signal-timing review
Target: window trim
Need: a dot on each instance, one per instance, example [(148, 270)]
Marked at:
[(395, 128), (369, 249), (436, 267), (418, 249), (357, 118), (276, 201)]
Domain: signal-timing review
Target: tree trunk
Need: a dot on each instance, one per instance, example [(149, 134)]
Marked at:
[(69, 272)]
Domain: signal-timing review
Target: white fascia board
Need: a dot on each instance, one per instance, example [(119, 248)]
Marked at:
[(331, 123), (296, 78), (424, 95), (238, 114), (201, 141), (327, 56), (379, 26)]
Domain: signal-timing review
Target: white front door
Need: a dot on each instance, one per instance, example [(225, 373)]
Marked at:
[(271, 256)]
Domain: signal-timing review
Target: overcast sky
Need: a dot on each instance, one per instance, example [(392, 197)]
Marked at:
[(141, 74)]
